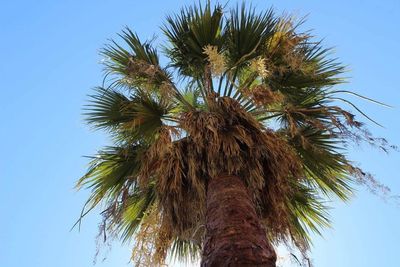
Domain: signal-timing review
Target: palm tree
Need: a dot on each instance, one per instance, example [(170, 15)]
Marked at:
[(231, 148)]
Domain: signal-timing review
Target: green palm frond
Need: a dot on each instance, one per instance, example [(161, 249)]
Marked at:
[(189, 33), (147, 115), (106, 108), (117, 58), (247, 32), (326, 169), (112, 179), (132, 211), (183, 250), (314, 70), (135, 66), (308, 213), (137, 117), (192, 95), (140, 50), (111, 173)]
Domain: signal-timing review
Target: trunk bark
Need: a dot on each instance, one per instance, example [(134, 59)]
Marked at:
[(234, 233)]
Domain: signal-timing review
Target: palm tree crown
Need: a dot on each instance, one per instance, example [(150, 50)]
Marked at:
[(244, 93)]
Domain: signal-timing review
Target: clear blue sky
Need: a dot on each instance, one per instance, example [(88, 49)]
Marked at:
[(49, 63)]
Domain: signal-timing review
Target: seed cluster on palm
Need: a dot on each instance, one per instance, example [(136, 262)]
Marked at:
[(244, 94)]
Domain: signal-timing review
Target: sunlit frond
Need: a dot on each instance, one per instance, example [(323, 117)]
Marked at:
[(247, 32), (111, 173), (189, 33), (308, 213)]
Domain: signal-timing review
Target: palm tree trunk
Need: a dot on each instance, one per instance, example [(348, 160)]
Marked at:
[(234, 233)]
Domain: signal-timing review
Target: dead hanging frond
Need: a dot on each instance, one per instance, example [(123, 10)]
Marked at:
[(229, 140), (224, 140), (151, 240), (368, 180), (104, 239), (176, 171)]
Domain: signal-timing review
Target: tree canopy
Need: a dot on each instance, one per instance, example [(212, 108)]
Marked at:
[(245, 92)]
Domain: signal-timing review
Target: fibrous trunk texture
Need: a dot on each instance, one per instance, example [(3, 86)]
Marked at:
[(234, 233)]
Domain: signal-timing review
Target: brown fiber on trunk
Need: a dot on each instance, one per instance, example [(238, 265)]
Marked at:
[(234, 233)]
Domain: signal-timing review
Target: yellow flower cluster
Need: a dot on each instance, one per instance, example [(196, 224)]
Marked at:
[(259, 65), (216, 60)]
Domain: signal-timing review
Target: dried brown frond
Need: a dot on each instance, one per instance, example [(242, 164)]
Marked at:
[(369, 181), (263, 95), (141, 69), (176, 171), (166, 90), (229, 140), (151, 240), (159, 148)]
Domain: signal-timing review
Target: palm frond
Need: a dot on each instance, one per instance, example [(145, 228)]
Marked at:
[(112, 171), (308, 213), (132, 211), (134, 66), (189, 33), (106, 108), (326, 169), (247, 32), (137, 117), (183, 250)]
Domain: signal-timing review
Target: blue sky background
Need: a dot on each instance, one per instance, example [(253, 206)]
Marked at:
[(49, 63)]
